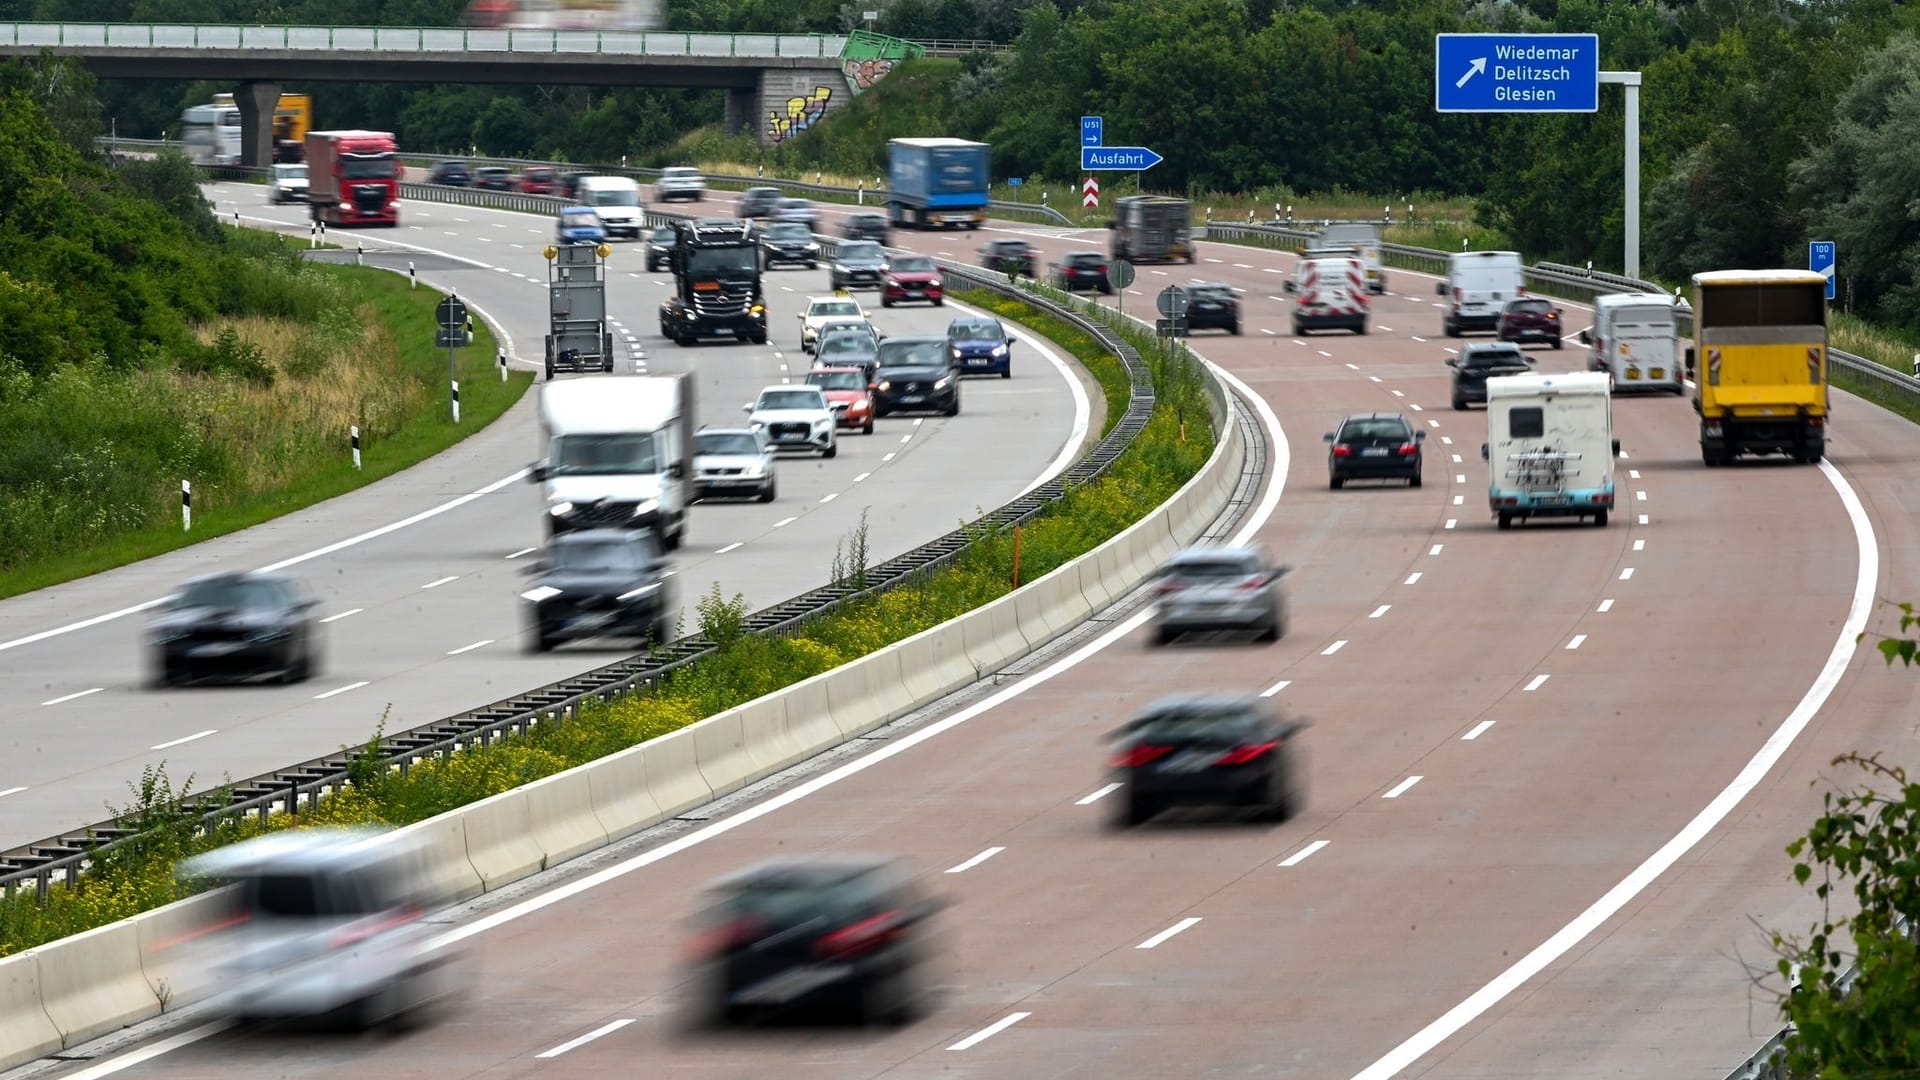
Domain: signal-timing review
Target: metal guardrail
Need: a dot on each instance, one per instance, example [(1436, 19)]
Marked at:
[(960, 47), (418, 39), (66, 856)]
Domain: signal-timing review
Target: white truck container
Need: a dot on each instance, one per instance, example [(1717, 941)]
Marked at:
[(1550, 447), (1635, 338), (1480, 283), (617, 200), (1362, 240), (617, 453)]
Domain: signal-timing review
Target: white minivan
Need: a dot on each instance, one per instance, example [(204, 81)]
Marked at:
[(1329, 293), (1550, 447), (1635, 339), (617, 199), (1480, 283)]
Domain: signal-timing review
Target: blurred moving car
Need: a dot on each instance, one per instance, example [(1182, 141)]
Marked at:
[(757, 202), (732, 462), (1219, 588), (1079, 270), (493, 178), (1011, 257), (1207, 750), (850, 394), (915, 375), (795, 418), (1212, 305), (287, 183), (979, 345), (799, 211), (324, 922), (848, 343), (866, 227), (537, 180), (857, 264), (788, 242), (580, 225), (1482, 361), (1374, 446), (451, 173), (238, 626), (819, 310), (911, 277), (660, 249), (592, 583), (680, 182), (1530, 318), (846, 933)]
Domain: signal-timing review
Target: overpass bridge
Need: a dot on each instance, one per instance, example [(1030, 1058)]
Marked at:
[(778, 85)]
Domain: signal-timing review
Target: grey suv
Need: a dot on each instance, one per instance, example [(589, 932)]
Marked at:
[(1220, 588)]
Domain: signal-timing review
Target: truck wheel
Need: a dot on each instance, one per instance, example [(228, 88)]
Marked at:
[(760, 339), (1506, 520)]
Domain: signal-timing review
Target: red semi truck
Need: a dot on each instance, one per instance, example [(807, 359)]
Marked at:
[(353, 177)]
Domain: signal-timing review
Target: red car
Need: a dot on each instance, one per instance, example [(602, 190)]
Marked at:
[(912, 277), (537, 180), (1530, 318), (848, 394)]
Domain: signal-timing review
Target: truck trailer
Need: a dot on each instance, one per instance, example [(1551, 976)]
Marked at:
[(353, 177), (1760, 364), (1152, 229), (937, 183)]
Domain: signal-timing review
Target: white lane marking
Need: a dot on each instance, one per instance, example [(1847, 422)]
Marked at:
[(1451, 522), (523, 551), (1213, 260), (1334, 648), (1436, 549), (1417, 337), (1435, 423), (784, 522), (11, 791), (829, 496), (1537, 683), (1323, 352), (1479, 729), (574, 1044), (1639, 545), (990, 1030), (1605, 605), (1244, 266), (906, 438), (1097, 796), (343, 615), (1276, 688), (1456, 352), (975, 861), (437, 582), (1444, 439), (1459, 500), (342, 690), (1415, 407), (1627, 574), (1412, 578), (1764, 759), (1374, 378), (1578, 640), (1302, 855), (1634, 473), (1459, 478), (1388, 329), (886, 457), (1456, 459), (1353, 367), (1264, 330), (730, 547), (1643, 519), (176, 742), (70, 697), (861, 477), (1402, 787), (1381, 610), (1399, 393), (1156, 940), (470, 648), (147, 1053), (1641, 494), (918, 420), (81, 625)]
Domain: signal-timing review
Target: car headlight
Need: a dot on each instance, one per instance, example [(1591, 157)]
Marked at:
[(999, 350), (943, 382), (755, 471), (539, 593), (634, 594), (823, 422), (755, 425), (885, 385), (645, 507), (560, 509)]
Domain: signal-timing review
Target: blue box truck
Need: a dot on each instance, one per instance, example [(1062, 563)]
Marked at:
[(936, 183)]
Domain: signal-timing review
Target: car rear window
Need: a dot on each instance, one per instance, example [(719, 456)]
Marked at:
[(233, 594), (835, 307), (1526, 422), (1530, 306), (1225, 726), (1211, 292), (1373, 429), (1208, 569), (865, 249), (1495, 357), (1085, 260)]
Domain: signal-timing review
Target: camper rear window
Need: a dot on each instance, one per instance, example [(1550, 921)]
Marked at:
[(1526, 423)]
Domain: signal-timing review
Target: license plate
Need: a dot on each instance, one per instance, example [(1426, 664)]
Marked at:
[(913, 399), (216, 648), (979, 361), (1374, 451), (913, 292), (792, 436), (1552, 500), (1192, 762)]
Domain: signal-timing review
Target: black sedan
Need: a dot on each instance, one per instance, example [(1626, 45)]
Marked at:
[(845, 934), (858, 264), (915, 375), (1212, 305), (867, 227), (1207, 750), (452, 174), (236, 626), (1079, 270), (599, 583), (1374, 446), (758, 202), (1480, 362), (660, 249), (788, 242), (1011, 257)]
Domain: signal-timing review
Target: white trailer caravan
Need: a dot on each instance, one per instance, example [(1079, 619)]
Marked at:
[(1635, 338), (618, 453), (1550, 447)]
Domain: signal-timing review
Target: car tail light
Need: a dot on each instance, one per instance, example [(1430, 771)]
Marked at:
[(1241, 755), (1406, 449), (1137, 756), (1343, 450), (726, 938), (1506, 500), (1257, 581), (1521, 291), (361, 929), (1171, 585), (1603, 499), (862, 937)]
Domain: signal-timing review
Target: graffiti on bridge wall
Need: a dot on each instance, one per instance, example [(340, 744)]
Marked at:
[(800, 114), (862, 74)]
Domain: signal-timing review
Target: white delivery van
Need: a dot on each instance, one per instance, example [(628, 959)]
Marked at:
[(1480, 283), (1550, 446), (617, 199), (1635, 338), (1362, 240), (1329, 293), (618, 453)]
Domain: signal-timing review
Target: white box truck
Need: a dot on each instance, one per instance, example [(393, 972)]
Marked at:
[(617, 200), (1362, 240), (1480, 283), (1550, 447), (617, 452), (1635, 338)]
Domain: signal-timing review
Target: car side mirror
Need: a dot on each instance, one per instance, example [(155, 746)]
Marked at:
[(1616, 448), (1586, 338), (1440, 288), (1286, 287), (308, 603), (1419, 436), (536, 473), (747, 408), (1328, 437), (1452, 362), (1689, 361), (675, 471), (1484, 455), (1533, 360)]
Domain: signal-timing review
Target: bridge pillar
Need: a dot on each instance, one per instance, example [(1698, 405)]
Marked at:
[(743, 108), (257, 102)]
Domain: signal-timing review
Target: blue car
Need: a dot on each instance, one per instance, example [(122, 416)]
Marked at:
[(979, 345), (581, 225)]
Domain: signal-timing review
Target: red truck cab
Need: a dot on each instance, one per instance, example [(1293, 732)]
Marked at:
[(353, 177)]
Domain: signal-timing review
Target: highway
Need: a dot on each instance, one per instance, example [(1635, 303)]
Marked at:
[(417, 575), (1508, 726)]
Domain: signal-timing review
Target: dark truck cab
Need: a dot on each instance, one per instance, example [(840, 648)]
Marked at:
[(716, 278)]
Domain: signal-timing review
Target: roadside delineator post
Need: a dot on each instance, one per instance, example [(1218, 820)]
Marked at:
[(354, 432), (186, 505)]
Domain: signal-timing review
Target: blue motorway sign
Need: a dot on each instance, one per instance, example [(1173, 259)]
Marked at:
[(1117, 158), (1092, 130), (1016, 181), (1511, 73), (1820, 260)]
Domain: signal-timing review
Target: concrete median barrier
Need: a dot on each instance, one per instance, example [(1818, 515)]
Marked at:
[(1052, 605), (934, 661), (992, 635), (764, 731), (810, 721), (92, 983), (26, 1031), (720, 751), (673, 773), (623, 801), (869, 692), (500, 843), (177, 945), (450, 875), (1093, 585), (561, 810)]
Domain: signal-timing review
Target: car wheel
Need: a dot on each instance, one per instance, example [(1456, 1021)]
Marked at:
[(1361, 329), (1007, 372), (832, 451), (1236, 328), (1269, 632), (1557, 343), (954, 409), (1600, 519), (1506, 520), (1334, 483), (1414, 480), (867, 428), (1137, 811), (939, 301), (1459, 406), (661, 632), (766, 493), (885, 303), (1298, 331)]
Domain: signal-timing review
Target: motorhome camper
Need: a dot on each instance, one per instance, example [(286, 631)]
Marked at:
[(1550, 447)]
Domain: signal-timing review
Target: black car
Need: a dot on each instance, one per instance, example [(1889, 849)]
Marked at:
[(599, 583), (1207, 750), (788, 242), (858, 264), (660, 249), (236, 626), (493, 178), (1211, 305), (845, 934), (1011, 257), (915, 375), (451, 173), (1478, 363), (1374, 446), (1082, 270), (866, 227), (758, 202)]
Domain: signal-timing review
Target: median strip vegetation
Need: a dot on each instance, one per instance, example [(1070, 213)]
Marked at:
[(138, 876)]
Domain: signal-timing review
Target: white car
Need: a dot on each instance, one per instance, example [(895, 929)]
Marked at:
[(732, 462), (795, 418), (287, 183), (680, 182), (821, 309)]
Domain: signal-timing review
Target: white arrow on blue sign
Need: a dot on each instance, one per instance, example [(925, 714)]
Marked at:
[(1820, 259), (1509, 73), (1092, 130), (1117, 158)]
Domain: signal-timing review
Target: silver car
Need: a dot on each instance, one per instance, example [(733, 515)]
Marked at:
[(1220, 588), (732, 463)]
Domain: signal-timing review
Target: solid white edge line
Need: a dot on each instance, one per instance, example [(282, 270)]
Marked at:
[(345, 614), (962, 868), (64, 698), (176, 742), (1696, 830), (574, 1044), (1304, 853), (1160, 938), (1102, 793), (990, 1030), (1479, 729), (341, 690), (1402, 787), (12, 791)]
